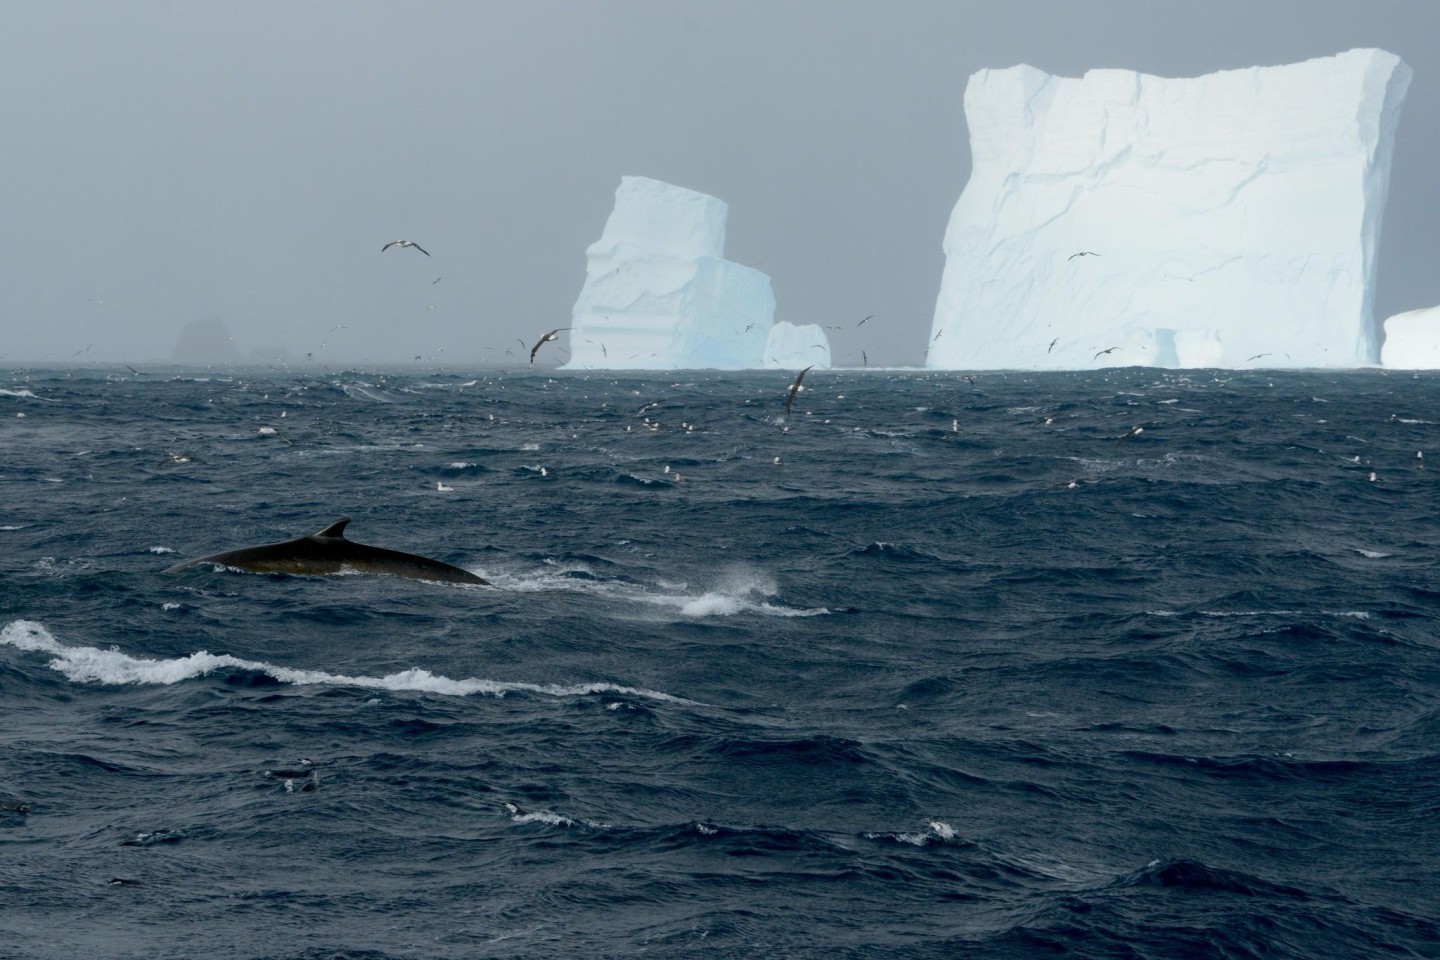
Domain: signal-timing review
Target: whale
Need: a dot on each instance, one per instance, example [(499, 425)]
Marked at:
[(328, 553)]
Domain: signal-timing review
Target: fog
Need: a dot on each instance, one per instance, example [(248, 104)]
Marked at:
[(243, 164)]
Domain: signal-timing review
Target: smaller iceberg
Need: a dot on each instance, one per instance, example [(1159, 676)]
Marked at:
[(659, 292), (794, 347), (1412, 340)]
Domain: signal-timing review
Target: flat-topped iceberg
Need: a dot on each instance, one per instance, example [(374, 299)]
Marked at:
[(1227, 220), (659, 292)]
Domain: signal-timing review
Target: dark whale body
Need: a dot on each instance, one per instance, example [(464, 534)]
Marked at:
[(327, 553)]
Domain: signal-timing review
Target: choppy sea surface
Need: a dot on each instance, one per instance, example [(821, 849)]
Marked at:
[(926, 669)]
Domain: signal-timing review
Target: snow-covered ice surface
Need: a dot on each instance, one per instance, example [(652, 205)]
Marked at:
[(1226, 220), (659, 292)]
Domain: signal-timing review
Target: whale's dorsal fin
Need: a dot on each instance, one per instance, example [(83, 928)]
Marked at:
[(336, 530)]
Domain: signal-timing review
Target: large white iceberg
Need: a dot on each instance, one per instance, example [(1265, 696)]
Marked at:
[(659, 292), (1227, 220), (1412, 340)]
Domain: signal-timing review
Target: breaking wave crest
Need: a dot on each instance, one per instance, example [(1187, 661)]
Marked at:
[(93, 665)]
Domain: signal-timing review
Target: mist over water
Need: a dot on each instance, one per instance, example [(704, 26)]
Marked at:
[(964, 672)]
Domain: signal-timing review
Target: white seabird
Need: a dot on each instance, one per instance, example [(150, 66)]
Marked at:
[(405, 243)]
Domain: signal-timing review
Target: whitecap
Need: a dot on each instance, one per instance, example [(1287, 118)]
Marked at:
[(93, 665), (355, 390), (913, 839), (24, 394), (712, 605), (543, 816)]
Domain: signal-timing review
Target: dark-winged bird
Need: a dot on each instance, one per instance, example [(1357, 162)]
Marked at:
[(795, 388), (552, 335), (405, 243)]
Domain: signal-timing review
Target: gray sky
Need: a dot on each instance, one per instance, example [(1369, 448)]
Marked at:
[(245, 161)]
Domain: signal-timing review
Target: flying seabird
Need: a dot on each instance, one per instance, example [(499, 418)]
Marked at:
[(1052, 344), (795, 388), (1103, 352), (272, 432), (1132, 432), (552, 335), (864, 358), (1082, 253), (862, 322), (1256, 357), (405, 243)]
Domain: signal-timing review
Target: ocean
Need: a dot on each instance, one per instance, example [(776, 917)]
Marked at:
[(930, 668)]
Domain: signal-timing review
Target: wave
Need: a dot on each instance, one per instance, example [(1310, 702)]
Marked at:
[(1192, 875), (938, 832), (24, 394), (93, 665), (366, 392), (898, 552)]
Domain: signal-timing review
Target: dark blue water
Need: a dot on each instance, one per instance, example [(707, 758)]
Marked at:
[(946, 680)]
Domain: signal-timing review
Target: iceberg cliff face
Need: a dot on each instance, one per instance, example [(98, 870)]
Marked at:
[(659, 293), (1184, 222)]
